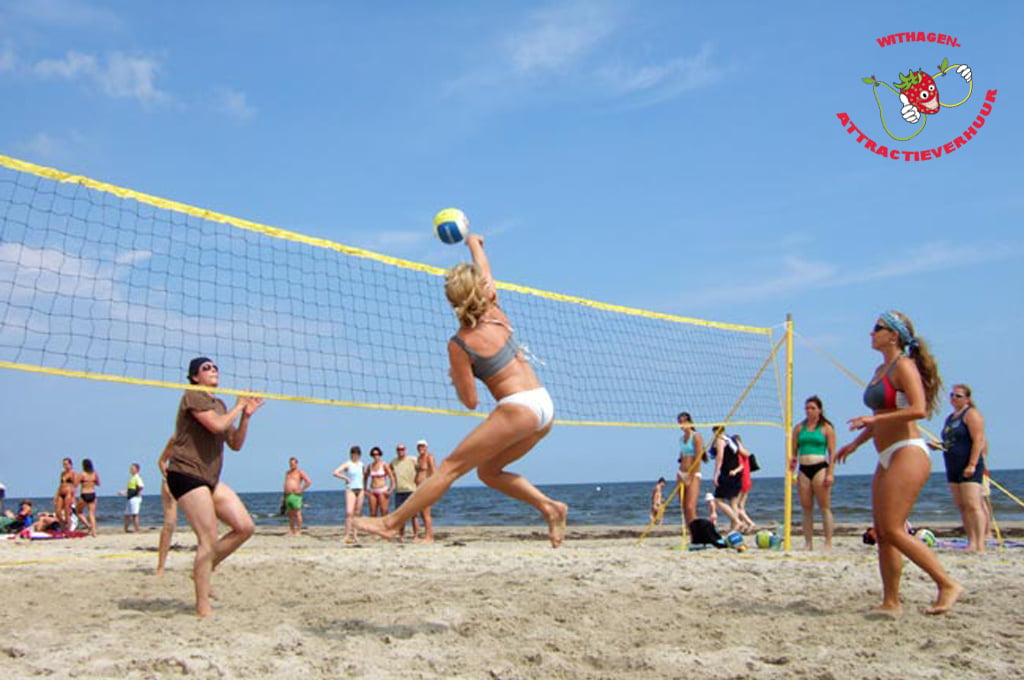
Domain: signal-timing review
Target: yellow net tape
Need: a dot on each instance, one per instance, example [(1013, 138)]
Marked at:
[(102, 282)]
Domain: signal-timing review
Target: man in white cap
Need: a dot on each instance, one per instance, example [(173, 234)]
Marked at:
[(425, 467)]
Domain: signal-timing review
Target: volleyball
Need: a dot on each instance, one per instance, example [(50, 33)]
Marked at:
[(927, 537), (735, 539), (451, 225), (766, 539)]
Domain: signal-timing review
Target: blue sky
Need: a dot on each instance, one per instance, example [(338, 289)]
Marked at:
[(667, 156)]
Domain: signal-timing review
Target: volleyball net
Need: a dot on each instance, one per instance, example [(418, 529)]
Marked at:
[(105, 283)]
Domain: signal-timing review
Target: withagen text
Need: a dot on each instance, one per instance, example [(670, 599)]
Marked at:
[(919, 36)]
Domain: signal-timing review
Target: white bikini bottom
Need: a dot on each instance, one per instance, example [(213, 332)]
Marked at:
[(885, 457), (537, 400)]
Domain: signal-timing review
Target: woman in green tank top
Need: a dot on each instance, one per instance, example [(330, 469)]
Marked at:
[(814, 444)]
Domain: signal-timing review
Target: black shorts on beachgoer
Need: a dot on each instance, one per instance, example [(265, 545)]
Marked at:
[(729, 487), (180, 484), (955, 464), (400, 497)]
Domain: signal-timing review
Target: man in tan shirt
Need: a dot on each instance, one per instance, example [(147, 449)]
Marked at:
[(404, 469)]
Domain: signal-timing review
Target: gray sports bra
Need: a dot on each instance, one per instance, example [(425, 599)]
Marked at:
[(485, 367)]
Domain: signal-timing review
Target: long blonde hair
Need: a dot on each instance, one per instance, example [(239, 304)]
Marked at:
[(465, 290), (925, 362)]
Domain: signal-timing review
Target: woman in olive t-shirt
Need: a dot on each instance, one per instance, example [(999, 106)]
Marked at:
[(203, 426)]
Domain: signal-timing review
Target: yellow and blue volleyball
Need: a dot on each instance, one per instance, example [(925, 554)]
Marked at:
[(766, 539), (927, 537), (451, 225)]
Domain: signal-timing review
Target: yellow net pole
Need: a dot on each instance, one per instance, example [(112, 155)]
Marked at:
[(788, 428), (995, 524), (683, 537)]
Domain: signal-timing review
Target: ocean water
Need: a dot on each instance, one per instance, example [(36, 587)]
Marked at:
[(613, 503)]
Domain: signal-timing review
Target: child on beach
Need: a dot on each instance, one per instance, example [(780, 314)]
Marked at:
[(657, 515)]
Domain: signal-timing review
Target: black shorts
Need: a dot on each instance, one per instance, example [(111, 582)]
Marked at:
[(955, 464), (400, 497), (180, 484), (729, 486)]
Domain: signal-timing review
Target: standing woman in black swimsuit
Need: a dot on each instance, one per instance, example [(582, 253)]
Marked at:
[(485, 348), (64, 500), (204, 424), (904, 389), (88, 480)]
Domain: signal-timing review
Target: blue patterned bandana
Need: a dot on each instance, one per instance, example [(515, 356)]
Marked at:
[(895, 324)]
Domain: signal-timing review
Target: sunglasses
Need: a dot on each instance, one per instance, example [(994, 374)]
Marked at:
[(209, 367), (879, 327), (400, 448), (954, 395), (375, 454)]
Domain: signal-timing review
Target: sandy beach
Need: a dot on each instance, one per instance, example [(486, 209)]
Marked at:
[(497, 603)]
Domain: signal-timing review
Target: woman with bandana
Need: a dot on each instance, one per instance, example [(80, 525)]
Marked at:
[(904, 389)]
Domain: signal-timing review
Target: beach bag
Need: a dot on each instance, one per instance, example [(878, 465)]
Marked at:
[(754, 467), (703, 532)]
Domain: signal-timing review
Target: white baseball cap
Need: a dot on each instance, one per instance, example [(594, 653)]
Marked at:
[(422, 442)]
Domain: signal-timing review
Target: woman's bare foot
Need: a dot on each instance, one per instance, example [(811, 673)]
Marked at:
[(203, 609), (886, 611), (375, 526), (557, 516), (946, 599)]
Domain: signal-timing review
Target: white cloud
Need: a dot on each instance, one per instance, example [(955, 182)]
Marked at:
[(931, 257), (40, 146), (119, 75), (26, 271), (233, 103), (7, 58), (558, 36), (579, 46), (63, 149), (131, 78), (132, 257), (664, 80), (799, 274), (72, 66), (64, 13)]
